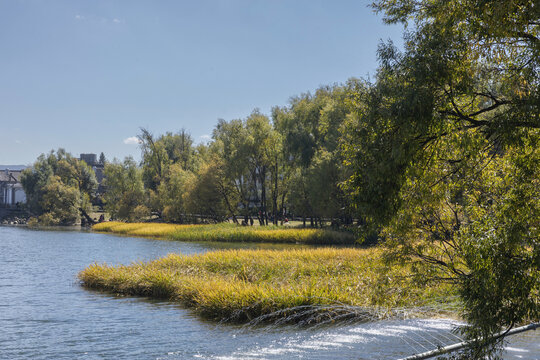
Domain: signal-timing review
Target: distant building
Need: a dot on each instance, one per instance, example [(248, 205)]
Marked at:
[(92, 161), (89, 159), (11, 190)]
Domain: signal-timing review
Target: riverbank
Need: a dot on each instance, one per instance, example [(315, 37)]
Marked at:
[(228, 233), (13, 216), (241, 285)]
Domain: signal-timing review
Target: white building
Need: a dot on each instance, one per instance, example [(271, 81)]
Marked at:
[(11, 190)]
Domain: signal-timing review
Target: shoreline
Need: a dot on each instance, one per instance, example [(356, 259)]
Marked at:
[(241, 285), (228, 233)]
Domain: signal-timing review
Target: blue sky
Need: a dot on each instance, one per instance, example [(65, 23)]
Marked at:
[(86, 75)]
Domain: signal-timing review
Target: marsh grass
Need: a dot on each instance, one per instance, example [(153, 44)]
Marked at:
[(228, 233), (241, 285)]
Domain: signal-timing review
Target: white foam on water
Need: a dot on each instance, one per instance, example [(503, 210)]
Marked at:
[(282, 350), (442, 324), (385, 337), (385, 331), (405, 328), (311, 347), (343, 338), (389, 339), (261, 353)]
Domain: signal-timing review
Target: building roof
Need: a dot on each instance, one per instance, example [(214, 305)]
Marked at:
[(11, 176)]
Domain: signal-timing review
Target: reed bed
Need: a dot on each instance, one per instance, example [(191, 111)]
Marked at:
[(241, 285), (228, 233)]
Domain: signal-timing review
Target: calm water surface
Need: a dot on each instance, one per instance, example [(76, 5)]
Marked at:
[(45, 314)]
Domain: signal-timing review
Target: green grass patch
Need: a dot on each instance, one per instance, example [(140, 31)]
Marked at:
[(228, 233), (239, 285)]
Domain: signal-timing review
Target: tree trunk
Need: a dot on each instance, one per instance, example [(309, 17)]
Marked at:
[(275, 194), (263, 196), (226, 198), (87, 217)]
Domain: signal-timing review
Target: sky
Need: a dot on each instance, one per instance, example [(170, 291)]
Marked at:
[(87, 75)]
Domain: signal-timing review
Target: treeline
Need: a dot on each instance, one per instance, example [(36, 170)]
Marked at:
[(439, 156), (59, 189), (258, 169)]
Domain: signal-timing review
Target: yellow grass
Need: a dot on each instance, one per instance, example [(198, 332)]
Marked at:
[(239, 285), (227, 233)]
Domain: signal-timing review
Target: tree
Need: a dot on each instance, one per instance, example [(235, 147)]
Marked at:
[(258, 143), (124, 196), (171, 193), (230, 145), (158, 154), (154, 159), (432, 146), (60, 203), (58, 188), (209, 193), (179, 148), (309, 128), (322, 179), (279, 173), (102, 159)]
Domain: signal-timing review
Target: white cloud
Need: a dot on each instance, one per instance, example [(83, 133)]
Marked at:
[(18, 142), (204, 139), (102, 19), (132, 141)]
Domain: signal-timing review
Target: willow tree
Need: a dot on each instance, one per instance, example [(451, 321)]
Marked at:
[(124, 196), (250, 154), (309, 128), (209, 192), (232, 152), (58, 188), (444, 154)]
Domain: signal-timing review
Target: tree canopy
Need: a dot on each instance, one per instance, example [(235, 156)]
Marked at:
[(443, 150), (58, 188)]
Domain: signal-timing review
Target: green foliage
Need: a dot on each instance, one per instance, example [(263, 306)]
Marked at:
[(60, 203), (171, 193), (102, 159), (443, 154), (310, 131), (124, 197), (58, 186), (208, 192), (158, 154), (229, 145), (252, 166), (322, 178), (502, 248), (251, 161)]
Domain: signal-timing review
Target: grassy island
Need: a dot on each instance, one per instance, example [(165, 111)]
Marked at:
[(239, 285), (228, 233)]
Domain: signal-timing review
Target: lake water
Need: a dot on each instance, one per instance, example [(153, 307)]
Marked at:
[(46, 314)]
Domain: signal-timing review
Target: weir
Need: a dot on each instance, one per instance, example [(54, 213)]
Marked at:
[(464, 344)]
